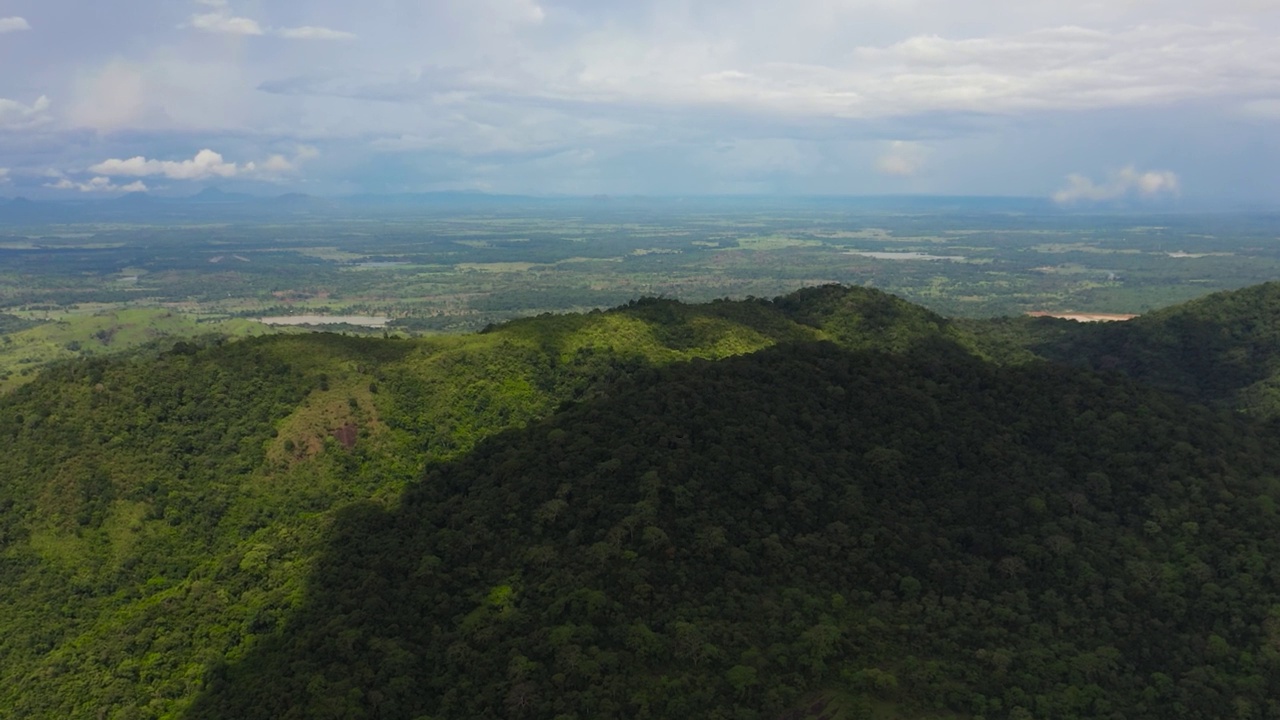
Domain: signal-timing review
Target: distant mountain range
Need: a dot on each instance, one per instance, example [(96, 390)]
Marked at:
[(216, 204)]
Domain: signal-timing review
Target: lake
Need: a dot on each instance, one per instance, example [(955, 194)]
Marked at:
[(903, 255), (361, 320)]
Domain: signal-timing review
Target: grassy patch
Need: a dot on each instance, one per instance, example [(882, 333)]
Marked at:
[(75, 334)]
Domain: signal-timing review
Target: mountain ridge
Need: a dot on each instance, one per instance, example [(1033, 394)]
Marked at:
[(162, 519)]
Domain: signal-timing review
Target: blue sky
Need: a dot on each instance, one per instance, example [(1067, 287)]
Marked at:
[(1081, 100)]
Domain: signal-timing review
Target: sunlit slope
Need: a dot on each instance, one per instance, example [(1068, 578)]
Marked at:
[(27, 347), (761, 535), (159, 513)]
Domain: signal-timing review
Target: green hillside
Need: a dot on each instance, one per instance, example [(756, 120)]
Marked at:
[(741, 538), (1223, 348), (27, 346), (161, 513), (239, 529)]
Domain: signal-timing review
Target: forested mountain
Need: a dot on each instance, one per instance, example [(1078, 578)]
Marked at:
[(833, 503), (1223, 348)]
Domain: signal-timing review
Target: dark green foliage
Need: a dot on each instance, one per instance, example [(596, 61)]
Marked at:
[(116, 481), (12, 323), (862, 318), (1222, 349), (721, 539), (677, 522)]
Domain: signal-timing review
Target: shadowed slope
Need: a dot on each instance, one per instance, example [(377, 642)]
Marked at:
[(1223, 348), (722, 539), (159, 514)]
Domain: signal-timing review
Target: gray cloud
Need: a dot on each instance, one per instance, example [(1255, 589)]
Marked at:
[(15, 115), (13, 24), (501, 92)]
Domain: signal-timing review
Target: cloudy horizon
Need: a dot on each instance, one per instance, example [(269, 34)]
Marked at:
[(1080, 102)]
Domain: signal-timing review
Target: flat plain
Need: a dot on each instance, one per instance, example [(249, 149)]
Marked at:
[(84, 288)]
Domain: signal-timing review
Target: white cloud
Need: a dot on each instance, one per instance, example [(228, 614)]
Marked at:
[(13, 24), (310, 32), (97, 185), (222, 21), (206, 164), (225, 23), (4, 175), (15, 115), (903, 158), (1126, 181), (280, 165)]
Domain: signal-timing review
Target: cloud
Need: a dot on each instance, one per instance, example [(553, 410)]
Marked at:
[(167, 91), (206, 164), (225, 23), (1265, 108), (922, 94), (310, 32), (112, 96), (221, 21), (4, 175), (526, 11), (97, 185), (279, 164), (904, 158), (695, 65), (13, 24), (1119, 184), (15, 115)]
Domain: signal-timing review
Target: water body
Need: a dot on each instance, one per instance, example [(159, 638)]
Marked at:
[(370, 321), (382, 264), (904, 255)]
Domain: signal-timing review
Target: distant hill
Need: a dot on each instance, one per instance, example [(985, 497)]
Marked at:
[(832, 501), (213, 204), (217, 195), (1223, 348)]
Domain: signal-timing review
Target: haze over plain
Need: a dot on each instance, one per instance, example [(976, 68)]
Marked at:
[(1142, 100)]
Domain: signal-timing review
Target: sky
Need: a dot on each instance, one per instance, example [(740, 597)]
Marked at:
[(1080, 101)]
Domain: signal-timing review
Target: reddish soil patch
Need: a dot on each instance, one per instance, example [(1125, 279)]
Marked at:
[(346, 435)]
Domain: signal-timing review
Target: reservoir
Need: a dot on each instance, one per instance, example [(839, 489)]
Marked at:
[(361, 320), (903, 255)]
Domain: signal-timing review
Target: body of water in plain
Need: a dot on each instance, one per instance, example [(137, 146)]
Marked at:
[(361, 320)]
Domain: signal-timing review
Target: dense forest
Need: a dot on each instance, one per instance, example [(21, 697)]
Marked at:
[(831, 504)]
